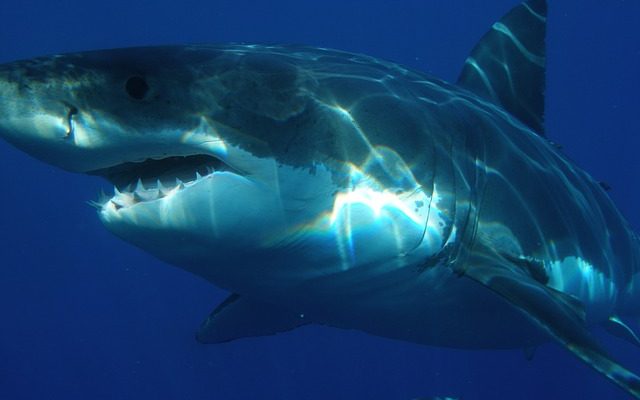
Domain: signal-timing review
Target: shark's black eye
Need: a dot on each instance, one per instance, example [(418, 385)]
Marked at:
[(137, 87)]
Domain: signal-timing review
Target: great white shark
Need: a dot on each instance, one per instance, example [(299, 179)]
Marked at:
[(320, 186)]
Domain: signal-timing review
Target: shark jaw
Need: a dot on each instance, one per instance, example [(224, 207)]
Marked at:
[(195, 212), (176, 191), (155, 179)]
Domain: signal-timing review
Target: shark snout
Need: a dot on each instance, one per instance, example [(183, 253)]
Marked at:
[(43, 128)]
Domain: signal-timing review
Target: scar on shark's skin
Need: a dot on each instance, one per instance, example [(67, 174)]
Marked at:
[(320, 186)]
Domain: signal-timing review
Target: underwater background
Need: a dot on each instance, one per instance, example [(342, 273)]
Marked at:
[(84, 315)]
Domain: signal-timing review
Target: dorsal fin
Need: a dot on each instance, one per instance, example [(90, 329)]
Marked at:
[(507, 66)]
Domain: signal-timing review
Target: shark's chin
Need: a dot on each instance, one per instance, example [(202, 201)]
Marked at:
[(193, 219)]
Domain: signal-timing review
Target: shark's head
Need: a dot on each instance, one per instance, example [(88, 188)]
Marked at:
[(223, 157)]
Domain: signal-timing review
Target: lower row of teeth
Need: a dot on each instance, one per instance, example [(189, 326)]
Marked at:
[(140, 193)]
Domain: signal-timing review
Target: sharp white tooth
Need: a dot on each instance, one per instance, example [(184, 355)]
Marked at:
[(179, 184), (116, 205), (162, 191), (137, 198), (116, 191), (139, 186), (210, 170), (198, 176)]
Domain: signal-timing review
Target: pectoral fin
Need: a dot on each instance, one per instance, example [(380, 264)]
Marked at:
[(553, 311), (240, 317), (617, 327)]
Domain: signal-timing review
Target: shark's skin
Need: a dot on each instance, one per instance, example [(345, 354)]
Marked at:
[(326, 187)]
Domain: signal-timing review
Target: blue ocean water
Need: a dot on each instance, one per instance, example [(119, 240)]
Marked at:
[(86, 316)]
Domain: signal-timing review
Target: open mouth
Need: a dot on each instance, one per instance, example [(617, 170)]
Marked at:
[(136, 182)]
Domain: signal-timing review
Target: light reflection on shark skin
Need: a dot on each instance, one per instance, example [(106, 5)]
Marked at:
[(407, 217), (320, 186)]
